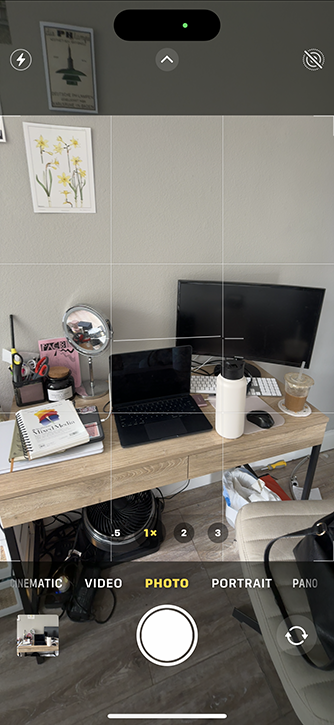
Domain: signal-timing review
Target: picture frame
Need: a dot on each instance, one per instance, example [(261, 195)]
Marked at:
[(69, 64), (2, 128), (60, 165)]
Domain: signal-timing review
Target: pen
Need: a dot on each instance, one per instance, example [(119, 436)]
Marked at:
[(17, 359)]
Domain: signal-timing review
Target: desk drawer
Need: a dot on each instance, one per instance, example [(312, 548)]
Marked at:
[(149, 476), (208, 462)]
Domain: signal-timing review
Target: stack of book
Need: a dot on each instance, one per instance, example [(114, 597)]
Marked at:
[(46, 433)]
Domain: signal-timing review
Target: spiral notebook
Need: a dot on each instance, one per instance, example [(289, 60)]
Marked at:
[(49, 428), (6, 435)]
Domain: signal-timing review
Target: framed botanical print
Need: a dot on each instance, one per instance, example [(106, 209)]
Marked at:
[(60, 163)]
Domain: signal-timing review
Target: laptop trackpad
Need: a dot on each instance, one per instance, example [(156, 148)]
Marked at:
[(165, 429)]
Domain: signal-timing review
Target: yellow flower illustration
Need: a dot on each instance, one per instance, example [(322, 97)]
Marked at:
[(76, 160), (82, 173), (63, 179), (54, 164), (59, 139), (57, 148), (41, 143), (74, 142), (66, 193)]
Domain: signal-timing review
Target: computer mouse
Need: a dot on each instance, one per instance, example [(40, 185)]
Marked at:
[(260, 418)]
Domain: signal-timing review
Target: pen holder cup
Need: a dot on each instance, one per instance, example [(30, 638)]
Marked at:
[(30, 393)]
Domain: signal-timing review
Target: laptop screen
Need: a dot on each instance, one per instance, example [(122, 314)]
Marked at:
[(148, 374)]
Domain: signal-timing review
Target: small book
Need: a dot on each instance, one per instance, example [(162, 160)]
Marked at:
[(49, 428), (90, 417)]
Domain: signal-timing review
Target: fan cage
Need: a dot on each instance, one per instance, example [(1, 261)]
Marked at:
[(120, 521)]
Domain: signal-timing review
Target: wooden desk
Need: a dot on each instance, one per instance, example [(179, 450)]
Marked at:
[(33, 494), (40, 492), (40, 648)]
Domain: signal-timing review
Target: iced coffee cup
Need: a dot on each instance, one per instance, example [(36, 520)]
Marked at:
[(296, 391)]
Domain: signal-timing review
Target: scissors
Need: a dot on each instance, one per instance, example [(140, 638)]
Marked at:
[(42, 368), (81, 337)]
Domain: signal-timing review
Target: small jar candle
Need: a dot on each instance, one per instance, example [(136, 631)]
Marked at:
[(60, 384)]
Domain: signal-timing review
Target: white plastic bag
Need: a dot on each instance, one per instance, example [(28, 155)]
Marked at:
[(241, 487)]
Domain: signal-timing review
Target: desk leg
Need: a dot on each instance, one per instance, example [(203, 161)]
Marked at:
[(18, 569), (312, 464), (246, 619)]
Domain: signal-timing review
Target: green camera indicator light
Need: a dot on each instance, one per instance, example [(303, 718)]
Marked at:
[(184, 25)]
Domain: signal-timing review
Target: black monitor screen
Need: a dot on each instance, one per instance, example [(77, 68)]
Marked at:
[(199, 317), (51, 631), (264, 322)]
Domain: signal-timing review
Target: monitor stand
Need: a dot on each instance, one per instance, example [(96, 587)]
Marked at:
[(252, 370)]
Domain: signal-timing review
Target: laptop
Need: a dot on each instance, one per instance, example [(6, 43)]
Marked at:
[(150, 396)]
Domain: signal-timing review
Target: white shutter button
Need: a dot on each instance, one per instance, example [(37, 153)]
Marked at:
[(167, 635)]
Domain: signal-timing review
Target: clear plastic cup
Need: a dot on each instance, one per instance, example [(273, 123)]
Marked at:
[(296, 391)]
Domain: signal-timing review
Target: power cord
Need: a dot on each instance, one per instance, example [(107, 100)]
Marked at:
[(294, 480), (109, 401), (169, 498), (79, 608), (77, 603), (210, 361)]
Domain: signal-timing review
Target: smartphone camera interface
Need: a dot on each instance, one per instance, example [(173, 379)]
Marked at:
[(166, 397)]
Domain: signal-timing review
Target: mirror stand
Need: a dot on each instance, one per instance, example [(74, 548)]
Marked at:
[(93, 388), (89, 333)]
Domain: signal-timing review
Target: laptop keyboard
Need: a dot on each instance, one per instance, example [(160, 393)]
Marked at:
[(154, 410)]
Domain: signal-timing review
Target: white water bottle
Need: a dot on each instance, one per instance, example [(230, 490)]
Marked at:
[(231, 399)]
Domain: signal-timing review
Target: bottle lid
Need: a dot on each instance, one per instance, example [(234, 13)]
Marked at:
[(233, 368), (58, 372)]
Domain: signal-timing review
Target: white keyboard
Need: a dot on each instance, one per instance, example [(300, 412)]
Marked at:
[(203, 384), (267, 387), (260, 386)]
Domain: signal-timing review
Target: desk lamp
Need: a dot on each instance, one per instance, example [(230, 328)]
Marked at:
[(90, 333)]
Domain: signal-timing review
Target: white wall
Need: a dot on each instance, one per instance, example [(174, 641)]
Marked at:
[(50, 261), (36, 622), (167, 224), (167, 219), (279, 218)]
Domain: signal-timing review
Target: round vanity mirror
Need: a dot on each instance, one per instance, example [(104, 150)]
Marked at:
[(90, 333)]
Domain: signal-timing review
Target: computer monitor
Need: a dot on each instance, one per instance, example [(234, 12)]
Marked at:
[(199, 317), (51, 631), (265, 322)]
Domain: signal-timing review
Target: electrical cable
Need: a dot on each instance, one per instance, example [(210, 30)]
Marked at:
[(205, 373), (299, 464), (207, 362), (103, 621), (161, 499), (59, 543), (168, 498), (109, 389), (293, 483)]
